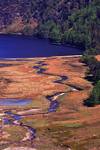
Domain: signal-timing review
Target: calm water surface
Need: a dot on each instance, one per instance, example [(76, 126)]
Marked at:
[(14, 46), (14, 102)]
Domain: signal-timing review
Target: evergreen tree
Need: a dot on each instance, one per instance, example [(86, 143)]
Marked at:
[(95, 96)]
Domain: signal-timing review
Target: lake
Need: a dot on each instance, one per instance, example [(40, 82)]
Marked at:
[(18, 46)]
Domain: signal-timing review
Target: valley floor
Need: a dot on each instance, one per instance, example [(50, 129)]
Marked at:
[(57, 88)]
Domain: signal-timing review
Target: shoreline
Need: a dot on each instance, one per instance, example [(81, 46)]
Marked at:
[(31, 58)]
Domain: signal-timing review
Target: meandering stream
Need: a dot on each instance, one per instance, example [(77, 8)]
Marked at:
[(53, 99), (15, 119)]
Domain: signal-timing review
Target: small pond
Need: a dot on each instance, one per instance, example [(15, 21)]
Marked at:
[(14, 102)]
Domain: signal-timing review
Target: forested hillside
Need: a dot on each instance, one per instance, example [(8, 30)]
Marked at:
[(39, 10), (66, 21)]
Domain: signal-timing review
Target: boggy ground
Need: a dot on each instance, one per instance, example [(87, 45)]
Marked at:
[(73, 126)]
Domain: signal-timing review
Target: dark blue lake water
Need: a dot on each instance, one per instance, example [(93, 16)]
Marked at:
[(14, 46)]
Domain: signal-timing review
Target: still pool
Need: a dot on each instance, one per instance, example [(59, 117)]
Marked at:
[(15, 102)]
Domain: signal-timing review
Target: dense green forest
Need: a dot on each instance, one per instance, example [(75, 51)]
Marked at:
[(93, 75), (94, 98), (78, 28)]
